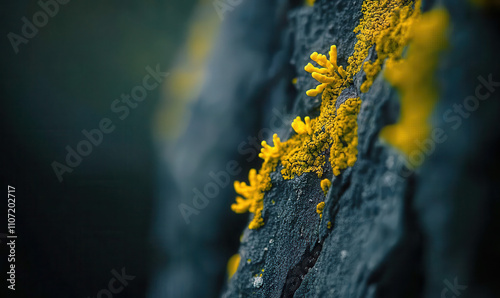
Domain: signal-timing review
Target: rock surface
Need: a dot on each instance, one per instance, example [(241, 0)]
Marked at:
[(394, 232)]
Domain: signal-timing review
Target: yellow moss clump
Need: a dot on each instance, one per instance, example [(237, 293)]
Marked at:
[(325, 185), (319, 209), (232, 265), (414, 78)]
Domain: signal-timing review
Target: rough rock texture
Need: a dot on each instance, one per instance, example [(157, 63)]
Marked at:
[(394, 233)]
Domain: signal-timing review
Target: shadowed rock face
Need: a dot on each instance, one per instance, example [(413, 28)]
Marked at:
[(393, 232)]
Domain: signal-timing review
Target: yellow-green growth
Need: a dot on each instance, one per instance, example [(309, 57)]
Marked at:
[(344, 150), (233, 264), (333, 133), (319, 209), (414, 78), (309, 2), (252, 196), (329, 73), (300, 127), (325, 185), (309, 151), (385, 24), (329, 225)]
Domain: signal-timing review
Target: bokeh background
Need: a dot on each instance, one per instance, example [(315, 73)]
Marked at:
[(235, 76), (101, 216)]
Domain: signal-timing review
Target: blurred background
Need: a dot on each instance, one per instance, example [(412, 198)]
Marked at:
[(102, 216)]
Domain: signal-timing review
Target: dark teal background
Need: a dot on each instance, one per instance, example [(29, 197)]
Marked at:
[(72, 234)]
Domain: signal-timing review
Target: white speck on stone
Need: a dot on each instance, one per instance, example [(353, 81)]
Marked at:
[(271, 241), (257, 281), (265, 248), (343, 255)]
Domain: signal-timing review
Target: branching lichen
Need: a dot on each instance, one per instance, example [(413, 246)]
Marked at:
[(300, 127), (332, 136), (329, 74)]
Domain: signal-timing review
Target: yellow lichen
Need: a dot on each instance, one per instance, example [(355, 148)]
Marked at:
[(233, 264), (309, 151), (344, 150), (414, 78), (268, 152), (309, 2), (333, 134), (325, 185), (329, 73), (385, 24), (252, 197), (300, 127), (253, 194), (319, 209), (329, 225)]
